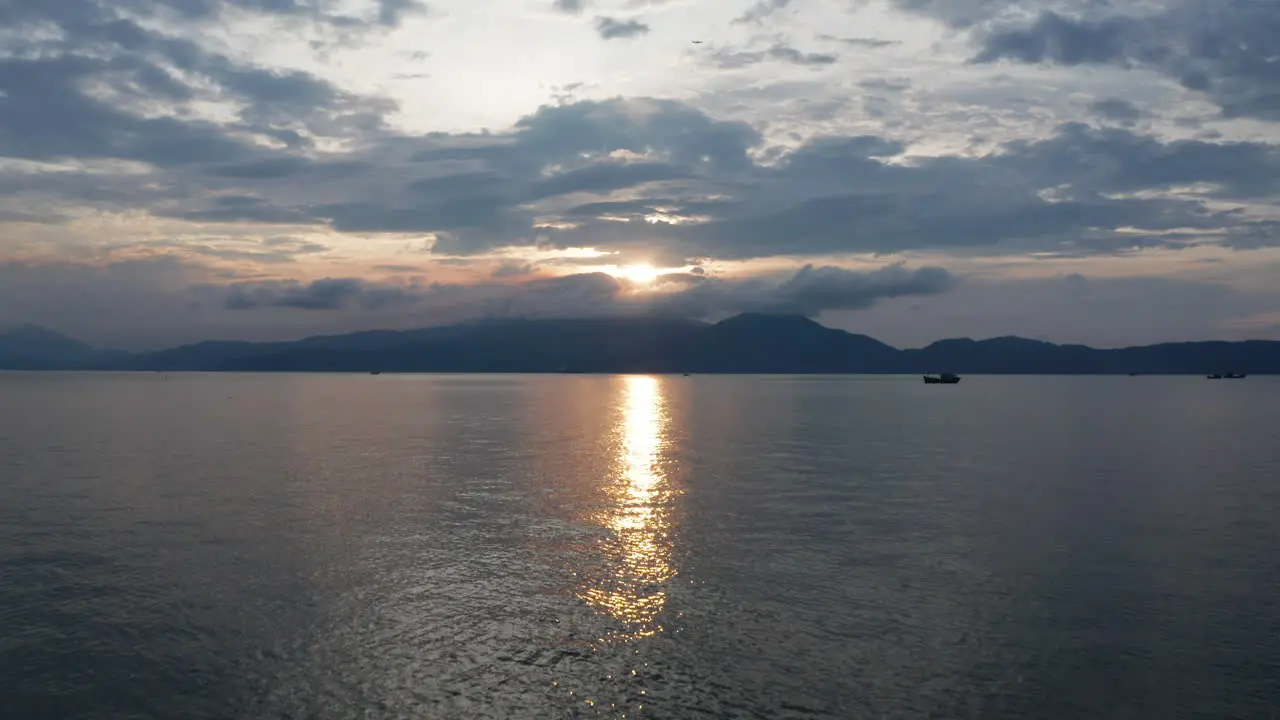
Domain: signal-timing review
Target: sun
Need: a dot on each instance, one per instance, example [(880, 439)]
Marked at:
[(639, 273)]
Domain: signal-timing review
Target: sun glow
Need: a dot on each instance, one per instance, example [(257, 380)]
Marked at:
[(640, 273)]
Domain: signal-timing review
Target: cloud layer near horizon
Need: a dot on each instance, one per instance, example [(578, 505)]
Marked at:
[(223, 158)]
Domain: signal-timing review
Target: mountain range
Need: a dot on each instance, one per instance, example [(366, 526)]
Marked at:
[(749, 343)]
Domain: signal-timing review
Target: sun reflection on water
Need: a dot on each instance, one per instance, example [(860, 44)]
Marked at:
[(638, 516)]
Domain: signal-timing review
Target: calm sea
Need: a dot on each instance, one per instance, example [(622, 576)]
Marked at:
[(323, 546)]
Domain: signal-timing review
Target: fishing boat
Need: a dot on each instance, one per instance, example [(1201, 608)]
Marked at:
[(943, 379)]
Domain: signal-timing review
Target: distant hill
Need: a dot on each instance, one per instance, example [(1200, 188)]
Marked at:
[(30, 347), (749, 343)]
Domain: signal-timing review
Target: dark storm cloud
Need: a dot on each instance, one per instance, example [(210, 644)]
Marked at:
[(612, 28), (1226, 49)]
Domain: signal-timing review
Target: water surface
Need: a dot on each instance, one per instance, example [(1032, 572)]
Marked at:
[(328, 546)]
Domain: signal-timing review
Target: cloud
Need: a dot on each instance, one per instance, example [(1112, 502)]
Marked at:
[(794, 56), (729, 60), (860, 42), (324, 294), (513, 268), (604, 177), (968, 13), (630, 174), (134, 303), (1054, 38), (810, 291), (758, 12), (20, 216), (392, 12), (95, 82), (572, 7), (244, 208), (273, 168), (387, 13), (1225, 49), (1117, 110), (1117, 160), (589, 164), (613, 29), (49, 116), (268, 251), (160, 302)]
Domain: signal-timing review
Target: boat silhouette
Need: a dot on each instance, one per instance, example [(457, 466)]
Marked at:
[(943, 379)]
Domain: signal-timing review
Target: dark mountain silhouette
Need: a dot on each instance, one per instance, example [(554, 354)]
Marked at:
[(30, 347), (750, 343), (786, 344)]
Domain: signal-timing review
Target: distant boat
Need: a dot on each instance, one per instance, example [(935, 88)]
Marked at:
[(1227, 376), (943, 379), (375, 372)]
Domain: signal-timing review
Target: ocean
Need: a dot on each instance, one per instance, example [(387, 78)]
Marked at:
[(466, 546)]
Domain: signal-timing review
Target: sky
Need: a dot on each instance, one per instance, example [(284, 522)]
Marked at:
[(1089, 171)]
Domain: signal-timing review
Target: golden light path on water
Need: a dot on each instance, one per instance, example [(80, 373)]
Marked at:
[(638, 515)]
